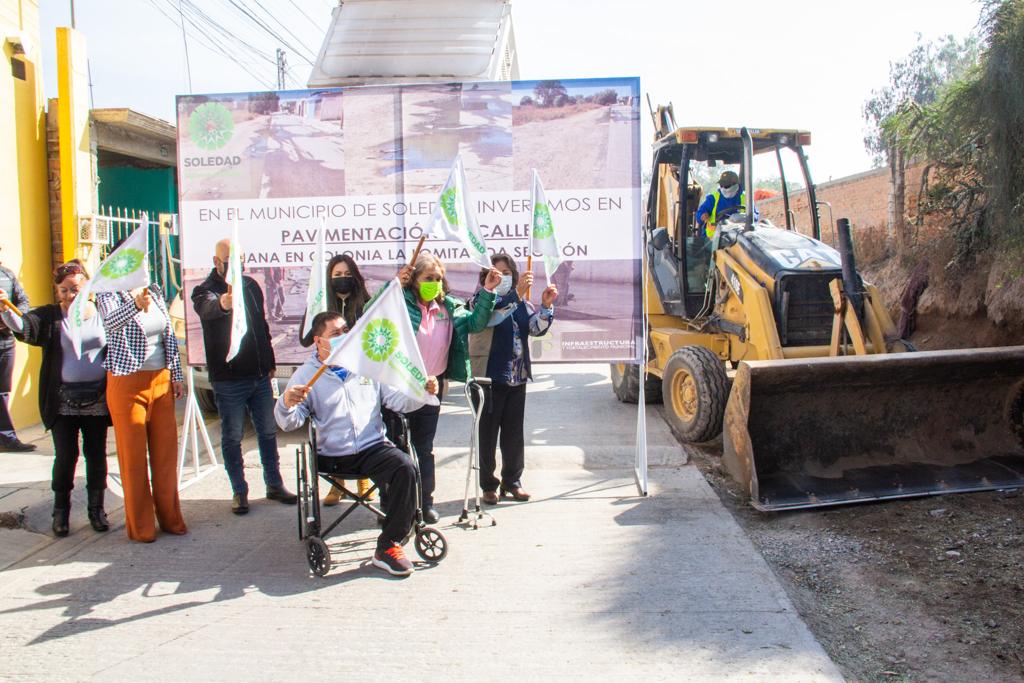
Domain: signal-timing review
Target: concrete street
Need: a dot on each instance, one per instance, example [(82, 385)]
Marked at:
[(588, 579)]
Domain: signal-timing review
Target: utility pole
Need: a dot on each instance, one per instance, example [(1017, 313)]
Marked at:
[(282, 67)]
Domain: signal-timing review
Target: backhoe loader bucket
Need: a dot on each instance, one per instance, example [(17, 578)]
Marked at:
[(827, 431)]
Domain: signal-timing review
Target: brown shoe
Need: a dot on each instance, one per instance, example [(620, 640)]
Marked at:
[(490, 497), (517, 492), (333, 497)]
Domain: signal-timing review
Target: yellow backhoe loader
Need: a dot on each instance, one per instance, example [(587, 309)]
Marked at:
[(826, 405)]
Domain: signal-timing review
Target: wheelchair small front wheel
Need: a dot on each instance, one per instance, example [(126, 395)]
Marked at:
[(431, 544), (318, 555)]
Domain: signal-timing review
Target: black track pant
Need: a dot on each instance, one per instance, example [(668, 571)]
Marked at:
[(387, 467)]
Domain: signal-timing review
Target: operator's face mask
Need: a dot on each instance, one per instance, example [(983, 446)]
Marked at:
[(729, 192), (505, 286)]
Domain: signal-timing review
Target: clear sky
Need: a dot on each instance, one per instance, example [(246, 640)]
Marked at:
[(788, 63)]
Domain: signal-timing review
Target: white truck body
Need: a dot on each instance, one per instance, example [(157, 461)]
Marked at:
[(382, 42)]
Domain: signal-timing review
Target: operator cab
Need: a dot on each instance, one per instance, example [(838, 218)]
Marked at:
[(687, 163)]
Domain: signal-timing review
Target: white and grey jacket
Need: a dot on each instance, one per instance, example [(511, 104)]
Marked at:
[(346, 413)]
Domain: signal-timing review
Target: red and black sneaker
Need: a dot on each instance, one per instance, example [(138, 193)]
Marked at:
[(393, 561)]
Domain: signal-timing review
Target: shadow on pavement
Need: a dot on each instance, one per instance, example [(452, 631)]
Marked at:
[(223, 557)]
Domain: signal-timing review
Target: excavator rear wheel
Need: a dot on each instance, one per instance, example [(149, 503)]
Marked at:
[(695, 390), (626, 384)]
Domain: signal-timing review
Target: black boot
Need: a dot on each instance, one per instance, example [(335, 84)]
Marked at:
[(97, 517), (61, 513)]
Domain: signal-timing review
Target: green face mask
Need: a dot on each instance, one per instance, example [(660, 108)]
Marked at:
[(429, 290)]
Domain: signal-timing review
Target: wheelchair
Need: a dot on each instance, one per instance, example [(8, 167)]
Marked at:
[(431, 544)]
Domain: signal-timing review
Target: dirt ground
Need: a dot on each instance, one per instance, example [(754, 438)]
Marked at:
[(927, 589)]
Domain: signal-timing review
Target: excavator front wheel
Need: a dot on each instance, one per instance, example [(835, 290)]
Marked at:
[(695, 390)]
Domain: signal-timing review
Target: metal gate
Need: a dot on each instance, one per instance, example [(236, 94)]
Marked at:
[(111, 225)]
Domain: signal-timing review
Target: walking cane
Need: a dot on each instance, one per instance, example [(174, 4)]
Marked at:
[(475, 386)]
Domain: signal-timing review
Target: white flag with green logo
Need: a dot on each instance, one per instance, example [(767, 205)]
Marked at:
[(382, 346), (542, 237), (125, 269), (316, 293), (239, 325), (454, 218)]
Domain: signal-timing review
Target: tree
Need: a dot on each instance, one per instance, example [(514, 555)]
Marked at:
[(608, 96), (914, 81), (972, 136), (547, 91), (774, 183), (526, 101)]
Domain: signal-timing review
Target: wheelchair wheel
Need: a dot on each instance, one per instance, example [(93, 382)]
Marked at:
[(431, 544), (300, 509), (318, 555)]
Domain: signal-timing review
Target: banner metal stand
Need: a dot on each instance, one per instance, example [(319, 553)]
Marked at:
[(640, 464), (192, 427)]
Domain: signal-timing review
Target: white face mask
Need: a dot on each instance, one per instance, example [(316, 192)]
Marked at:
[(729, 192), (505, 286)]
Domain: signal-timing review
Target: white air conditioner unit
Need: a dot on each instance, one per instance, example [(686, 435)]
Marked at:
[(94, 230)]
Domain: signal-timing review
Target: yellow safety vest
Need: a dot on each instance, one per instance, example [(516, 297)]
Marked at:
[(709, 227)]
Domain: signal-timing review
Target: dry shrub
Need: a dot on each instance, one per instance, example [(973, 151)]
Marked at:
[(870, 245)]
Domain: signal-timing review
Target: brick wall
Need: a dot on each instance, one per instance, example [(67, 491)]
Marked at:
[(863, 198), (53, 178)]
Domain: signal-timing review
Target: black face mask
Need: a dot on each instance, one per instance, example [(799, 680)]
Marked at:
[(343, 285)]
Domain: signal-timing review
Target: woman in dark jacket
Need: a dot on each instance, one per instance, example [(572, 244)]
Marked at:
[(72, 398), (346, 293), (502, 353)]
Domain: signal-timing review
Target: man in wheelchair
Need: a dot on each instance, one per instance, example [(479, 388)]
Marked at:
[(346, 411)]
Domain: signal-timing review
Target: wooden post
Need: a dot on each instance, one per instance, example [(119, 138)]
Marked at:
[(317, 375), (416, 253), (529, 269)]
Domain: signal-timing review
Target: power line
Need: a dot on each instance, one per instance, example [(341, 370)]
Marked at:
[(212, 45), (226, 34), (303, 13), (217, 46), (267, 28), (282, 25), (184, 40)]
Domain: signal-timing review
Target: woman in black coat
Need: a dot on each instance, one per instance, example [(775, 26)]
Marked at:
[(72, 393)]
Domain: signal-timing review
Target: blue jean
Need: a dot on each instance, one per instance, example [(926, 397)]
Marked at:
[(235, 398)]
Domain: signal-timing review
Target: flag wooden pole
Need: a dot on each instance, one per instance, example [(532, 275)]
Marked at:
[(316, 376), (416, 253), (13, 308), (529, 269)]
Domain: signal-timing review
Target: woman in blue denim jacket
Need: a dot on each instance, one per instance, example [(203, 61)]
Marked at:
[(502, 353)]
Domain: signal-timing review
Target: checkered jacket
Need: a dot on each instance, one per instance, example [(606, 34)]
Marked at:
[(126, 340)]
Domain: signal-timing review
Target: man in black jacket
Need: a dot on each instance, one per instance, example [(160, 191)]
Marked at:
[(243, 383), (9, 440)]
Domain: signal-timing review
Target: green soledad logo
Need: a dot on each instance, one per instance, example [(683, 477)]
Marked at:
[(123, 264), (380, 338), (542, 226), (448, 199), (210, 126)]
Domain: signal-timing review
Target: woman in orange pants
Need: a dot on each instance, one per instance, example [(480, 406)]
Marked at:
[(143, 379)]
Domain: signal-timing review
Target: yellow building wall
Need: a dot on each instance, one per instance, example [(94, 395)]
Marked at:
[(76, 176), (24, 210)]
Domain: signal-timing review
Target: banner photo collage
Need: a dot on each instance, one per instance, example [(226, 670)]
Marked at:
[(369, 162)]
